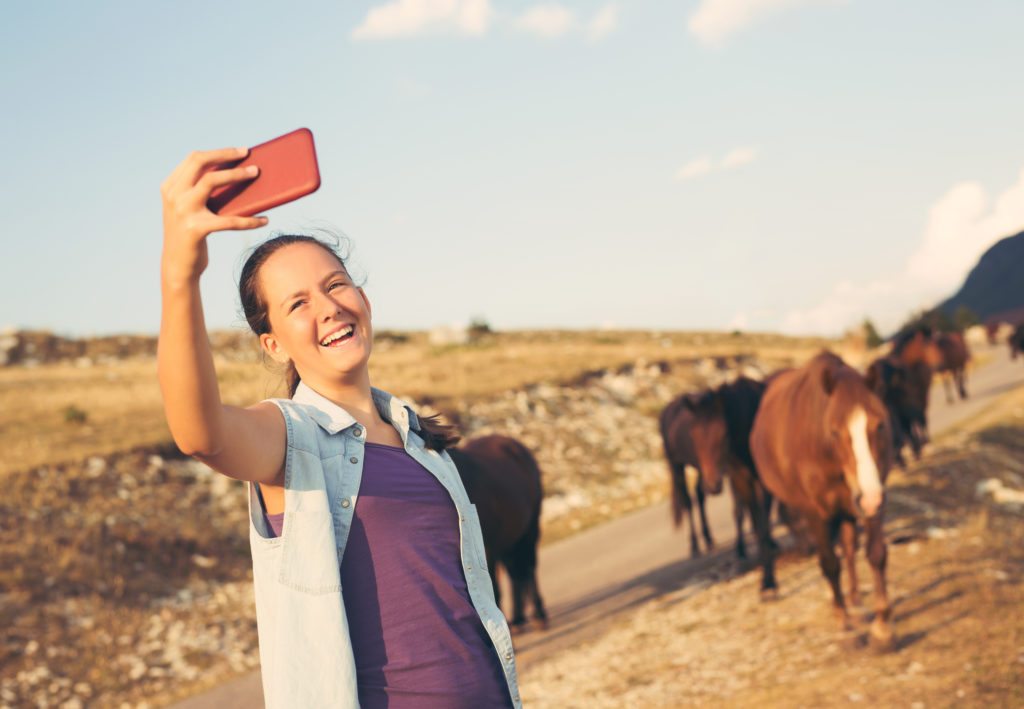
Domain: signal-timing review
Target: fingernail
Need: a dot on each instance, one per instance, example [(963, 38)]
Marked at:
[(242, 151), (251, 170)]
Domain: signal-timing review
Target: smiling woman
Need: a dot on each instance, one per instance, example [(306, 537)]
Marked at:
[(349, 488)]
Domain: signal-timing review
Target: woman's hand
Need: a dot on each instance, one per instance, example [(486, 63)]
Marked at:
[(187, 221)]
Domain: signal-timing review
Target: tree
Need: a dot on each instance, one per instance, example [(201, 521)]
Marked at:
[(871, 335), (964, 317)]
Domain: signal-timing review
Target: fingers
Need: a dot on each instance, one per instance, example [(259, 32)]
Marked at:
[(216, 178), (237, 223), (191, 168)]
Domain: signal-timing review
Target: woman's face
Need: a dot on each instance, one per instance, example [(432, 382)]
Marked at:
[(319, 319)]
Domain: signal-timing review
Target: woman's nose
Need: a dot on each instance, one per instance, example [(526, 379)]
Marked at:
[(327, 308)]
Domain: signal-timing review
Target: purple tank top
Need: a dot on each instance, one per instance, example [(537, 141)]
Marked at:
[(418, 640)]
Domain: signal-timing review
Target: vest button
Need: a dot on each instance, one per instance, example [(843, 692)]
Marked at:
[(353, 460), (357, 431), (345, 502)]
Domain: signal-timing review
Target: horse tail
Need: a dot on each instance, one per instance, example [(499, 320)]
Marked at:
[(680, 496)]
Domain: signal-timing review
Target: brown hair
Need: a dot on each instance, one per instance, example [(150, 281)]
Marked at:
[(436, 435)]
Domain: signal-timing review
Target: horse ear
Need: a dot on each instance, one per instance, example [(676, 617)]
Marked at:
[(828, 380), (873, 377)]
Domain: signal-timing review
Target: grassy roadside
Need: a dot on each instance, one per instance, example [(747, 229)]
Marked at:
[(62, 412)]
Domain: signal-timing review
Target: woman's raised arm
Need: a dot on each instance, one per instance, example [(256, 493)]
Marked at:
[(244, 443)]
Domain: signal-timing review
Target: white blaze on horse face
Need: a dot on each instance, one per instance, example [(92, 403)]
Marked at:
[(867, 470)]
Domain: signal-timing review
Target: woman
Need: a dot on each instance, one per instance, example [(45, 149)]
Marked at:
[(369, 571)]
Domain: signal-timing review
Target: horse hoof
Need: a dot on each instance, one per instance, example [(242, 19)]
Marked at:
[(542, 623), (517, 628), (769, 595), (881, 636)]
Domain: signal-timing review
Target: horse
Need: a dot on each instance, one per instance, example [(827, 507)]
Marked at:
[(822, 445), (719, 428), (955, 355), (905, 398), (503, 481), (916, 350), (674, 423), (1017, 341)]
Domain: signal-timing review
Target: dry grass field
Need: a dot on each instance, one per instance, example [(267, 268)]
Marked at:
[(64, 412)]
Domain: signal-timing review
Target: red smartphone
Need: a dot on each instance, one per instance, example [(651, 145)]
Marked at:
[(288, 170)]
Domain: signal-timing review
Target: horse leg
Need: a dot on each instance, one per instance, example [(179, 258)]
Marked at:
[(947, 386), (737, 513), (848, 531), (527, 551), (824, 532), (765, 553), (705, 529), (881, 633), (492, 571), (961, 381), (683, 505), (514, 565)]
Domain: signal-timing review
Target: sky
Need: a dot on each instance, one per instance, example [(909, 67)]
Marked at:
[(782, 165)]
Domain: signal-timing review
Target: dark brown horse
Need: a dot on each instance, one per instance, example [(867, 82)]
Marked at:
[(822, 445), (675, 423), (1017, 341), (955, 356), (905, 398), (503, 481), (917, 352), (720, 431)]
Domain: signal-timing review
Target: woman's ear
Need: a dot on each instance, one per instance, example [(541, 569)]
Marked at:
[(366, 300), (273, 348)]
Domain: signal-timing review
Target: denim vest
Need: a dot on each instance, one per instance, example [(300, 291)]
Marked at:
[(305, 652)]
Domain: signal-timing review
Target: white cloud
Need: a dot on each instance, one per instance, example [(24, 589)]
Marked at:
[(695, 168), (410, 18), (546, 21), (738, 157), (603, 23), (705, 165), (714, 20), (961, 226)]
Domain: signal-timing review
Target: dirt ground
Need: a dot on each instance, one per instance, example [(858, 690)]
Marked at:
[(955, 525)]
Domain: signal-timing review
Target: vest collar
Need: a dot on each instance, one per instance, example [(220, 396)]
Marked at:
[(333, 418)]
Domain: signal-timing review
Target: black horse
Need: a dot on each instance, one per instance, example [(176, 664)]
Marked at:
[(503, 481)]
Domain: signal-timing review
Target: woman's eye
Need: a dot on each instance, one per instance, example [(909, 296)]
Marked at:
[(295, 305), (336, 284)]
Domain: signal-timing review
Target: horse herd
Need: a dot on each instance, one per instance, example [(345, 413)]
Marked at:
[(813, 443)]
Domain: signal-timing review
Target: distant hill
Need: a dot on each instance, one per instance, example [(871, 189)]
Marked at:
[(995, 286)]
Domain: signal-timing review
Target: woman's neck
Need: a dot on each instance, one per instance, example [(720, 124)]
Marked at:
[(354, 395)]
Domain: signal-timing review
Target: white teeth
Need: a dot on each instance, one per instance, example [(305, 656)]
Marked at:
[(336, 336)]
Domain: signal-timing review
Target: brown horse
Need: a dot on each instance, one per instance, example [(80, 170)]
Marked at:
[(503, 481), (720, 431), (822, 445), (675, 423), (955, 356)]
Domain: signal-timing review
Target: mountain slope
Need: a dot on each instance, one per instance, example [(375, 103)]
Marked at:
[(996, 284)]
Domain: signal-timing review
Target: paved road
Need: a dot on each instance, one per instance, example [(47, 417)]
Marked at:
[(604, 571)]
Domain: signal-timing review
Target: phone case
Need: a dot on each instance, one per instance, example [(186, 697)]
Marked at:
[(288, 170)]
